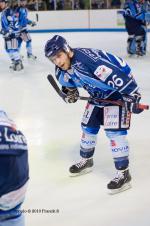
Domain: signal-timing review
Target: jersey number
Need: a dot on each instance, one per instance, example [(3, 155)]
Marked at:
[(115, 81)]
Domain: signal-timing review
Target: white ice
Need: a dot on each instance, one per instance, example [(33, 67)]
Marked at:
[(53, 132)]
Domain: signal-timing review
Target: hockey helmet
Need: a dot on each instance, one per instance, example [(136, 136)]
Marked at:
[(6, 1), (13, 3), (54, 45)]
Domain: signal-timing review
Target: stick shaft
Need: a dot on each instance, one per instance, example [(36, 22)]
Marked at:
[(115, 102)]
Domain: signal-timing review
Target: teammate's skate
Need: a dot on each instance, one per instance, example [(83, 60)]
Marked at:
[(17, 65), (140, 50), (31, 56), (120, 182), (12, 64), (82, 167), (140, 53)]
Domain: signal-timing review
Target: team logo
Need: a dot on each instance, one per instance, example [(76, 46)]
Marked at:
[(66, 77)]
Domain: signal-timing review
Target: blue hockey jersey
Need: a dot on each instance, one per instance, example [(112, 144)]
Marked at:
[(135, 10), (14, 169), (100, 73), (9, 21), (23, 17)]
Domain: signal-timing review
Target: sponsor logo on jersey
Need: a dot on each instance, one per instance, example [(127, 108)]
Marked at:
[(113, 144), (102, 72), (121, 149), (13, 137), (88, 142)]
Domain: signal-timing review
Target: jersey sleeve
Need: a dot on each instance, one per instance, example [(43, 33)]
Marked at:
[(4, 22), (134, 10)]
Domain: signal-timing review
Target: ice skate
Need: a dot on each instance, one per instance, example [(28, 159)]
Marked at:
[(82, 167), (17, 65), (139, 51), (140, 54), (12, 64), (120, 182), (131, 55), (31, 56)]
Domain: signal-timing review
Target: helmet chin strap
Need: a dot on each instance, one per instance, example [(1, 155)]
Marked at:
[(70, 53)]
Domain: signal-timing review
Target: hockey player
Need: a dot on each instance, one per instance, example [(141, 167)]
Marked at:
[(14, 172), (10, 32), (106, 76), (135, 23), (24, 33)]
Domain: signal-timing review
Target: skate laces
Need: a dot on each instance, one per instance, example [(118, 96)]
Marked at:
[(81, 163), (118, 176)]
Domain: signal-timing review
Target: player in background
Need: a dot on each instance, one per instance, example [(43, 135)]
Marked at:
[(105, 76), (23, 23), (10, 32), (135, 22), (14, 172)]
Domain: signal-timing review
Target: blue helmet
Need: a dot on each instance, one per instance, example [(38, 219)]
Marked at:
[(6, 1), (56, 44)]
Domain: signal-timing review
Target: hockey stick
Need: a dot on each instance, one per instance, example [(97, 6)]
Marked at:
[(117, 102), (56, 87), (37, 17)]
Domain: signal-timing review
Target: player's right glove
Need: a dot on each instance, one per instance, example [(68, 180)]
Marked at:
[(133, 106), (72, 94)]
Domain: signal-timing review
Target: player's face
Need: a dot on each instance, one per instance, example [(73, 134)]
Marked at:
[(141, 1), (62, 60), (23, 3), (2, 5)]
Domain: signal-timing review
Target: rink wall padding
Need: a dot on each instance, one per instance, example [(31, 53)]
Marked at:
[(108, 20), (76, 21)]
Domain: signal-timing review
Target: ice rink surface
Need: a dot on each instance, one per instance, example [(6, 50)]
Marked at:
[(53, 132)]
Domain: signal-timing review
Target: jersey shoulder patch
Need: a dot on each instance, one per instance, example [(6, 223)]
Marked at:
[(102, 72)]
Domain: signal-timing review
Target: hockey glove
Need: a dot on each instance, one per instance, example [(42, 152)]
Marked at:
[(133, 106), (72, 94), (8, 35), (33, 23)]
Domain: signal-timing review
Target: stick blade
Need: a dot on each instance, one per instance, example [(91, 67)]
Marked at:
[(55, 86)]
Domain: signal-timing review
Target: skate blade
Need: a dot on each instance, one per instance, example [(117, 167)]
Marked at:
[(140, 56), (123, 188), (131, 55), (16, 72), (30, 59), (85, 171)]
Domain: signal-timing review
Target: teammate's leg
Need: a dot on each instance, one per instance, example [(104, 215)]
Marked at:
[(141, 40), (27, 38), (11, 47)]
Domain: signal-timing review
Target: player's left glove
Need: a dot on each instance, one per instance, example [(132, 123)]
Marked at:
[(72, 94), (133, 106), (8, 34)]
